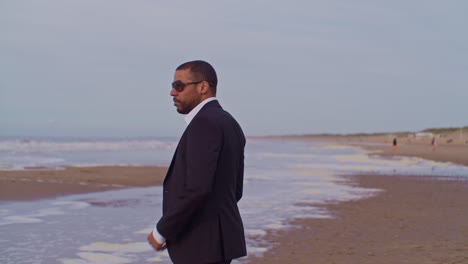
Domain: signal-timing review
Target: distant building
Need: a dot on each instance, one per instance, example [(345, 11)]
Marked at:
[(424, 135)]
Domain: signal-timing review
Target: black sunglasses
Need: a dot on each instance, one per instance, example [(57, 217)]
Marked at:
[(180, 85)]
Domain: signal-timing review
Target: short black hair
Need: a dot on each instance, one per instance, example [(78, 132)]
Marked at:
[(202, 71)]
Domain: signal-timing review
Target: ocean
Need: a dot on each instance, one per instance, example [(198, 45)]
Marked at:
[(283, 178)]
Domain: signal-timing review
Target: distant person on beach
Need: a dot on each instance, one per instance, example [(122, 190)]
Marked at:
[(433, 143), (395, 145), (201, 223)]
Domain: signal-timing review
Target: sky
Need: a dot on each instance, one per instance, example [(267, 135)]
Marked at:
[(103, 68)]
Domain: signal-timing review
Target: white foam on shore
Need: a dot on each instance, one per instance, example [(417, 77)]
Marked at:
[(12, 163), (96, 258), (133, 247), (19, 219), (74, 205), (144, 231), (311, 191), (154, 260), (47, 146), (116, 253), (275, 226), (48, 211), (20, 154), (74, 261), (255, 232), (256, 251), (36, 217), (105, 258), (342, 168), (4, 211), (335, 147), (284, 155)]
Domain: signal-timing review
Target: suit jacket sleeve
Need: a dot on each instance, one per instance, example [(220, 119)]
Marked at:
[(204, 142)]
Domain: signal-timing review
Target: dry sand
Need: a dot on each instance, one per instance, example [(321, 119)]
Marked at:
[(45, 183)]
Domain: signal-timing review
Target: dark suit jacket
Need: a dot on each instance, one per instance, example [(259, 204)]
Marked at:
[(201, 220)]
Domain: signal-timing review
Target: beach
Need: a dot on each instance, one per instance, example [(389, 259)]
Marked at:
[(414, 219), (411, 219)]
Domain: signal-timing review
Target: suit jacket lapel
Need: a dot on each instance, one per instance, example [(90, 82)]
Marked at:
[(208, 105), (169, 171)]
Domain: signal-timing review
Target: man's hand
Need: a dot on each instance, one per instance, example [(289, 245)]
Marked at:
[(155, 243)]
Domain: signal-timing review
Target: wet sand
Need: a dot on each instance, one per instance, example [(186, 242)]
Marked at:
[(46, 183), (414, 219)]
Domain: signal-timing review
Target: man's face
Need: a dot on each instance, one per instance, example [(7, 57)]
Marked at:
[(190, 96)]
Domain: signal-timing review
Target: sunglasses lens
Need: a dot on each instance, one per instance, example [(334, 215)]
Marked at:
[(178, 86)]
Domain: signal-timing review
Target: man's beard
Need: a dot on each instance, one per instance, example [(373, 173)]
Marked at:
[(185, 108)]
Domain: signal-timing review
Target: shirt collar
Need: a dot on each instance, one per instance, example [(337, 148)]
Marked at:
[(188, 117)]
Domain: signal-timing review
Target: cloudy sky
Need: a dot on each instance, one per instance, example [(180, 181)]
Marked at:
[(104, 67)]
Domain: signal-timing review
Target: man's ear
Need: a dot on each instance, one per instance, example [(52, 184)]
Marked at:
[(205, 87)]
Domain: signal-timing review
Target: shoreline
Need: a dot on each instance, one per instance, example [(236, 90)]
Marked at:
[(453, 154), (456, 153), (40, 182)]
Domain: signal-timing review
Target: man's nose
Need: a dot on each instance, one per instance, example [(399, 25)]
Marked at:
[(173, 92)]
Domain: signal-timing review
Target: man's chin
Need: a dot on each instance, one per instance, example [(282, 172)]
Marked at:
[(182, 111)]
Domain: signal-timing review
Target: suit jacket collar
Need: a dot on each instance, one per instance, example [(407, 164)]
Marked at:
[(189, 117)]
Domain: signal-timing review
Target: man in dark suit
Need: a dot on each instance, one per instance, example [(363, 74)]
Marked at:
[(201, 223)]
